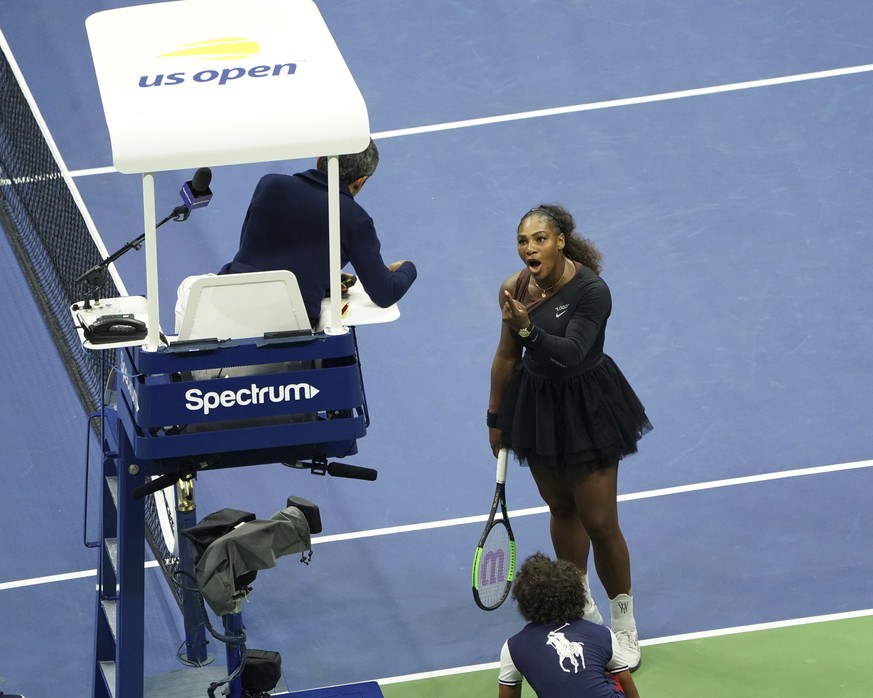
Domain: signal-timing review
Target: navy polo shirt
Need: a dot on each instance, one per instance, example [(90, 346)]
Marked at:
[(286, 227)]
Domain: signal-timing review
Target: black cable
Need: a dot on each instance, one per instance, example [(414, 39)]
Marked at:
[(226, 680), (232, 640), (204, 616)]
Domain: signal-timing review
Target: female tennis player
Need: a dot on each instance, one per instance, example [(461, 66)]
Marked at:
[(563, 407)]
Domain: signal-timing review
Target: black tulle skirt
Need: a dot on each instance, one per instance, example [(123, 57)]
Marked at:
[(591, 419)]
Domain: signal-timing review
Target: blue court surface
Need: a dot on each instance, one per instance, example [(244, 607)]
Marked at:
[(719, 154)]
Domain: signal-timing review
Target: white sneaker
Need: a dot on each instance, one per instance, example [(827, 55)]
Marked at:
[(592, 613), (629, 647)]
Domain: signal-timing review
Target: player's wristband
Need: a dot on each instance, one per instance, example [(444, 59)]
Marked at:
[(491, 419)]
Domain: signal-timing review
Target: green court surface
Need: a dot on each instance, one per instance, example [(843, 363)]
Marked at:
[(821, 660)]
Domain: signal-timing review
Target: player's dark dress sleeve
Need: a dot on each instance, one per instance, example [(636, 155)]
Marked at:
[(582, 331)]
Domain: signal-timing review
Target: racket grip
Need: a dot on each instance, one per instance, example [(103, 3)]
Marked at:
[(355, 472), (501, 465)]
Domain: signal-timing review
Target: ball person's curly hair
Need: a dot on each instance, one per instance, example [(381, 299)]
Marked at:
[(549, 591)]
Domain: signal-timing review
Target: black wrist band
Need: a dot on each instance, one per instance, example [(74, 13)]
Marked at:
[(491, 419)]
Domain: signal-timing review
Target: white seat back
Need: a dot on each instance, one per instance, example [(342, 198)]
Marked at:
[(238, 306)]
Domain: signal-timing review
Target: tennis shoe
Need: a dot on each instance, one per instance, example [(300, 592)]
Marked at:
[(628, 647), (592, 613)]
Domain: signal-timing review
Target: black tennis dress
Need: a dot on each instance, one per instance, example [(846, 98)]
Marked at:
[(566, 401)]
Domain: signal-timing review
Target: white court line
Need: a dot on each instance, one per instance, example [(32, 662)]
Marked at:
[(30, 179), (649, 494), (93, 171), (49, 579), (654, 641), (592, 106), (34, 581), (629, 101), (514, 514)]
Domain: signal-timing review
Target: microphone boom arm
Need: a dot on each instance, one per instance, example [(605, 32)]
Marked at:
[(195, 194), (95, 277)]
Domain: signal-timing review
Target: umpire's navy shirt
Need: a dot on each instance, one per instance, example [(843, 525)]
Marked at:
[(286, 227)]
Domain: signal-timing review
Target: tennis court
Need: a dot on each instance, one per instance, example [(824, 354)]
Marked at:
[(719, 155)]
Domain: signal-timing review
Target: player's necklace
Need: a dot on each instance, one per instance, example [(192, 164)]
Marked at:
[(546, 290)]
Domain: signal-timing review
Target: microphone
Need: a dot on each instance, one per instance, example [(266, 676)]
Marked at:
[(153, 486), (195, 192), (356, 472)]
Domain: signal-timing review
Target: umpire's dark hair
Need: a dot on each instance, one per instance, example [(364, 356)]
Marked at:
[(353, 167), (549, 591), (576, 247)]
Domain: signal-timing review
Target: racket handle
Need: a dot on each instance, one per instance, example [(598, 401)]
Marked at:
[(501, 465)]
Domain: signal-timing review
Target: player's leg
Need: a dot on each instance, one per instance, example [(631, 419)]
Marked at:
[(569, 538), (596, 495)]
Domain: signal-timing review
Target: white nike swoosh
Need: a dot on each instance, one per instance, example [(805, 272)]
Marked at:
[(560, 314)]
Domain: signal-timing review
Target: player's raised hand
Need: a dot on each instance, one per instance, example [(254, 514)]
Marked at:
[(514, 313)]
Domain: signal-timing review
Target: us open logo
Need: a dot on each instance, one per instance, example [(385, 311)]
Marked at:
[(223, 49)]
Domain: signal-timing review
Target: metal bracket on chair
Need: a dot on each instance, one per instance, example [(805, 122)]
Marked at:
[(320, 466)]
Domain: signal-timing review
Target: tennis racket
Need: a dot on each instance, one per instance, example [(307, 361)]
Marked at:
[(494, 562)]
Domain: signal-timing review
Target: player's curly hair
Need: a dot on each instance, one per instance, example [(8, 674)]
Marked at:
[(576, 247), (549, 591)]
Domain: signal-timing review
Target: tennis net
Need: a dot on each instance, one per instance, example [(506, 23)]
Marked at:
[(49, 234), (46, 229)]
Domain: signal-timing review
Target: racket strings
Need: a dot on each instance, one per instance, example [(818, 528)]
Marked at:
[(496, 566)]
